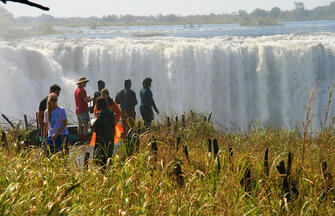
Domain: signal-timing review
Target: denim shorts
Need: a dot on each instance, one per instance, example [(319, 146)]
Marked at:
[(83, 117), (57, 145)]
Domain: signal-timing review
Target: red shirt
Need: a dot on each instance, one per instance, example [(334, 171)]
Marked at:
[(81, 104)]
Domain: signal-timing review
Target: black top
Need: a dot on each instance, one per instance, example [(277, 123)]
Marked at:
[(110, 101), (147, 100), (127, 99), (96, 95), (43, 104), (104, 126)]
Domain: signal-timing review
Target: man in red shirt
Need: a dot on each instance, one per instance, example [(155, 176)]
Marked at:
[(82, 108)]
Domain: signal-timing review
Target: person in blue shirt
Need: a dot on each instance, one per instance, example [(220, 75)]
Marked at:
[(55, 121), (147, 103)]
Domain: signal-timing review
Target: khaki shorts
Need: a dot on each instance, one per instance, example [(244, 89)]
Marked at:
[(83, 117)]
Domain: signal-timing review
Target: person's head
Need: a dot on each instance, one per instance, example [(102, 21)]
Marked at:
[(82, 81), (52, 103), (101, 103), (101, 85), (105, 93), (55, 89), (147, 82), (127, 84)]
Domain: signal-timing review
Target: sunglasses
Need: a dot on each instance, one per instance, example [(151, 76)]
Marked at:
[(53, 100)]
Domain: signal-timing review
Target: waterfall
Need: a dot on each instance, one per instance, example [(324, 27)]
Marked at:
[(238, 79)]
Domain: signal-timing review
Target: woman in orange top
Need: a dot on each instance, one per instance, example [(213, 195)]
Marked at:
[(117, 115), (110, 104)]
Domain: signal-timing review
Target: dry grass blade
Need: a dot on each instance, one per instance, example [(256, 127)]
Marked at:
[(309, 118)]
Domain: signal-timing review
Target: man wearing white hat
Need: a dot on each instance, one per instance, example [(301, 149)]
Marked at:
[(82, 108)]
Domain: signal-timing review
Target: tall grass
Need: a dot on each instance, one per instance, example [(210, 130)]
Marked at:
[(146, 184), (32, 184)]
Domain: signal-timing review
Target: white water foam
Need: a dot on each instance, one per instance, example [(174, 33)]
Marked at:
[(239, 79)]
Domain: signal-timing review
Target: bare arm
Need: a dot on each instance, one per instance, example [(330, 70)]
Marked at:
[(154, 106), (117, 98), (64, 124), (40, 117), (45, 130), (134, 99), (117, 111), (44, 127), (153, 103), (88, 99)]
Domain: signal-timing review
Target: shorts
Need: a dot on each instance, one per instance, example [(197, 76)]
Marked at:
[(83, 117), (147, 113), (56, 146)]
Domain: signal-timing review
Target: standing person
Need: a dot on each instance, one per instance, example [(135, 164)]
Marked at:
[(82, 108), (147, 102), (55, 125), (110, 105), (101, 85), (127, 100), (104, 127), (43, 105), (116, 110)]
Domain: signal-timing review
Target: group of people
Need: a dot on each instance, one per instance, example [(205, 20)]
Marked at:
[(52, 118)]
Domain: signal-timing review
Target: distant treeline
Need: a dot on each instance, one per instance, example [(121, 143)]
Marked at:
[(256, 17)]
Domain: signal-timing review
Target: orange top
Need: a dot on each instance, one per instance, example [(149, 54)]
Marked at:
[(118, 131), (114, 107)]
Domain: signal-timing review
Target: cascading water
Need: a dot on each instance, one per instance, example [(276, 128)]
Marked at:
[(239, 79)]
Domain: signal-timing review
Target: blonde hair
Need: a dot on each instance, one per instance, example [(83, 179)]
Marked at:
[(51, 95)]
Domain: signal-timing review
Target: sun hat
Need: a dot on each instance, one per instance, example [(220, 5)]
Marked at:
[(82, 79)]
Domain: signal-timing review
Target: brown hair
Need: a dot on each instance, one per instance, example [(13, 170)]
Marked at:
[(147, 82), (51, 95), (101, 103), (54, 88), (105, 91)]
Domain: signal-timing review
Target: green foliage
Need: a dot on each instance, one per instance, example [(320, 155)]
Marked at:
[(275, 12), (267, 21), (46, 29)]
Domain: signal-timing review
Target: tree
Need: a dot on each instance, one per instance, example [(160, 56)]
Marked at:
[(318, 13), (299, 11), (259, 13), (331, 11), (299, 6), (5, 17), (110, 18), (275, 12), (171, 18), (332, 5), (242, 13), (128, 18), (46, 18)]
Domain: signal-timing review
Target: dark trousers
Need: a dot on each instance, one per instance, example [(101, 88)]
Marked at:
[(147, 115), (103, 151), (128, 121), (57, 146)]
